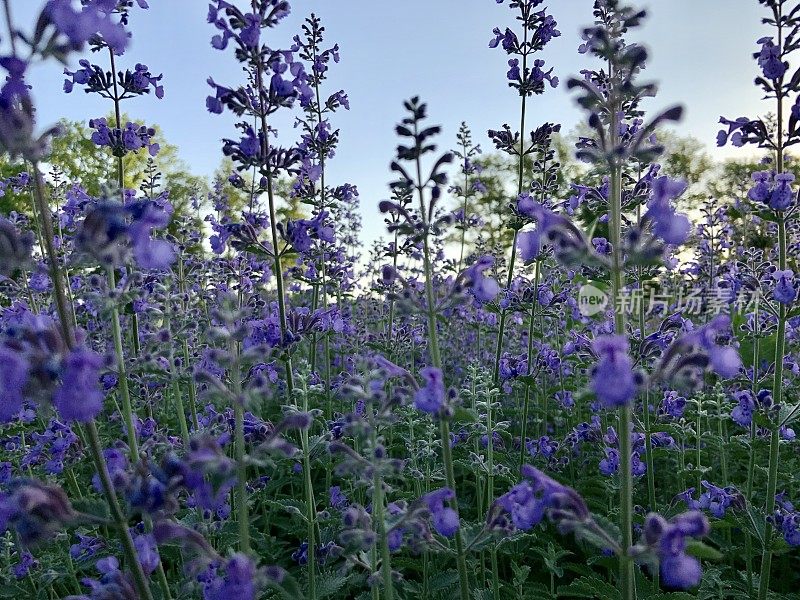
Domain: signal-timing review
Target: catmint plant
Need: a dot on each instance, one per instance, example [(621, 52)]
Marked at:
[(214, 388), (774, 189)]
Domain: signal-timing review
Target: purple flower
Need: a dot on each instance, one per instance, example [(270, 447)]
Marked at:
[(506, 39), (782, 195), (337, 498), (80, 398), (610, 464), (760, 192), (147, 552), (613, 380), (302, 232), (431, 397), (132, 138), (672, 405), (769, 59), (14, 371), (237, 583), (668, 225), (92, 18), (300, 556), (717, 500), (772, 189), (738, 131), (785, 292), (484, 288), (26, 563), (445, 519), (787, 520), (538, 496), (666, 540), (86, 547)]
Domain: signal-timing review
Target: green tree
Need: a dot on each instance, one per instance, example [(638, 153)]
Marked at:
[(80, 160), (12, 201), (238, 200)]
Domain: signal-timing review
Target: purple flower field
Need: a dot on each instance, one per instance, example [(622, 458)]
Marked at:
[(567, 369)]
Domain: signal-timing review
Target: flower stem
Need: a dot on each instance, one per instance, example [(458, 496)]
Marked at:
[(122, 375), (648, 440), (780, 346), (627, 583), (528, 385), (91, 428), (775, 434), (436, 360), (116, 512), (380, 524), (311, 507), (242, 517)]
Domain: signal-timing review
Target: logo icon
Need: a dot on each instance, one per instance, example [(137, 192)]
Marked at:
[(591, 300)]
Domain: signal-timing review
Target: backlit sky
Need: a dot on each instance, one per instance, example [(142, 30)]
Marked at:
[(701, 54)]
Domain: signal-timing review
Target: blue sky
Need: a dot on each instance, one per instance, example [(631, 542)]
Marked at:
[(700, 54)]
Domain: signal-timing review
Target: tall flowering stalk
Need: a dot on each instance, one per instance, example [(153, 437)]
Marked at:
[(528, 77), (412, 127), (467, 154), (316, 148), (609, 95), (77, 401), (773, 188), (277, 81), (122, 140)]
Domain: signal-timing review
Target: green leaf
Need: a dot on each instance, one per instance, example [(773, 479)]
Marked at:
[(699, 549), (289, 588), (92, 506), (464, 415), (520, 573), (442, 581), (330, 584), (589, 587), (293, 507)]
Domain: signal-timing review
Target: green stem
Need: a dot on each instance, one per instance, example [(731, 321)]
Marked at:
[(466, 202), (176, 388), (627, 583), (648, 440), (242, 517), (780, 347), (380, 525), (528, 386), (122, 374), (128, 547), (436, 360), (520, 184), (273, 223), (134, 318), (751, 454), (698, 433), (311, 508), (185, 347)]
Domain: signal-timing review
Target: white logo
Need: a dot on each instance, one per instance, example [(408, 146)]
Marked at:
[(591, 300)]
